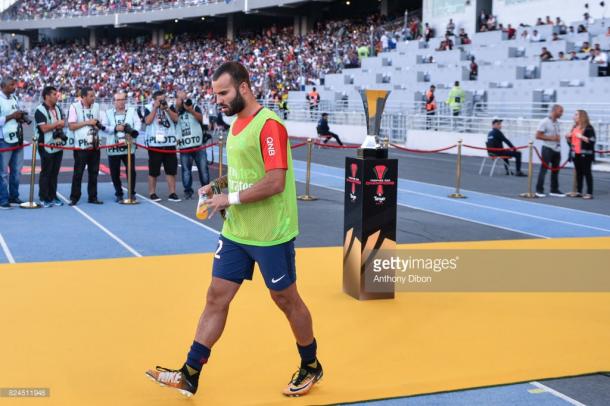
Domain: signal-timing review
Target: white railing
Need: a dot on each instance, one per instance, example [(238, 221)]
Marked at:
[(596, 111)]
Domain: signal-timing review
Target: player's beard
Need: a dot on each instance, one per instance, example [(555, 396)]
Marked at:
[(236, 105)]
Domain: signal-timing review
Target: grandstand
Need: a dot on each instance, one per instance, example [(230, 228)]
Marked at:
[(94, 294)]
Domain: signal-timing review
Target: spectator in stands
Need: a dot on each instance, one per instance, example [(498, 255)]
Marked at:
[(324, 130), (582, 150), (49, 119), (588, 19), (430, 106), (496, 140), (608, 32), (562, 56), (450, 27), (11, 136), (428, 33), (573, 56), (555, 37), (548, 20), (464, 40), (539, 21), (191, 133), (525, 35), (549, 131), (591, 56), (563, 29), (161, 135), (483, 18), (385, 42), (283, 106), (601, 59), (483, 28), (511, 32), (491, 22), (536, 37), (581, 29), (597, 47), (545, 55), (571, 30), (474, 68), (586, 47)]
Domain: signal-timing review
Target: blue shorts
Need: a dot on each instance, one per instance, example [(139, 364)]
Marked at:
[(235, 262)]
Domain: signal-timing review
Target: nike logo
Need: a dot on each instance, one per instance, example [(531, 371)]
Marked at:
[(273, 280)]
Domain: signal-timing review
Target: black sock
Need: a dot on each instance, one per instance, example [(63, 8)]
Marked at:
[(308, 355), (197, 357)]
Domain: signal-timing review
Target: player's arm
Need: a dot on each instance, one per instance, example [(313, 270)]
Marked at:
[(271, 184)]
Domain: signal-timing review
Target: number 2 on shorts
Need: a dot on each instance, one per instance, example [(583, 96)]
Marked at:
[(217, 253)]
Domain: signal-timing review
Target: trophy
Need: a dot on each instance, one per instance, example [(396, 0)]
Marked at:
[(374, 103)]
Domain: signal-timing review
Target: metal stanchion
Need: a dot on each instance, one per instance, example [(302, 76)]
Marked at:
[(458, 173), (220, 157), (307, 197), (574, 192), (31, 204), (530, 174), (130, 164)]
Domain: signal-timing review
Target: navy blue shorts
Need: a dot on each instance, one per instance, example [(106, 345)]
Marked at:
[(235, 262)]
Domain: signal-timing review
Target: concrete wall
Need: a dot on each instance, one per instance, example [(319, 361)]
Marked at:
[(527, 11), (438, 12)]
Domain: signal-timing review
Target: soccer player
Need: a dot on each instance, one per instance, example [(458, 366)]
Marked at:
[(261, 226)]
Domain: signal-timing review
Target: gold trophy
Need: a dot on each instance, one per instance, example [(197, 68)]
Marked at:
[(374, 103)]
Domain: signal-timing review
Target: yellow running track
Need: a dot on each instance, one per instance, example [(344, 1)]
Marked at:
[(88, 330)]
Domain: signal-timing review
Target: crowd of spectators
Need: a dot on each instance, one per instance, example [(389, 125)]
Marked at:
[(37, 9), (276, 59)]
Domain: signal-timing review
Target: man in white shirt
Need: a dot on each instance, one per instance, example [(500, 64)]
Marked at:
[(549, 132), (11, 137), (601, 59)]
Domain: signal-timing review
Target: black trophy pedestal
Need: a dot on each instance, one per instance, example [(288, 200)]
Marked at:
[(370, 217)]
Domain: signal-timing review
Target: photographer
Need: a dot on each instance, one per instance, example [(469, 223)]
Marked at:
[(84, 122), (50, 131), (122, 126), (161, 134), (191, 134), (11, 136)]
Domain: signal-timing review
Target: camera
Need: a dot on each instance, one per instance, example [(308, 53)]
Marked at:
[(99, 125), (127, 129), (58, 133), (188, 102), (163, 104), (25, 119)]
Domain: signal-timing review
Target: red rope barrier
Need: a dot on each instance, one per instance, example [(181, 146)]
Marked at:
[(321, 144), (78, 149), (550, 168), (421, 151), (494, 149), (170, 151), (14, 148), (298, 145)]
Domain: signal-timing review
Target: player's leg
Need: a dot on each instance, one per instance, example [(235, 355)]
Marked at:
[(231, 266), (277, 264)]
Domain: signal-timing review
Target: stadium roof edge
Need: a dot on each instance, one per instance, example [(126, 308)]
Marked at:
[(214, 9)]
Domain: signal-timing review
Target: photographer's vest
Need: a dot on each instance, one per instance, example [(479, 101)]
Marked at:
[(158, 135), (267, 222), (47, 138), (11, 127), (189, 131), (83, 136), (115, 119)]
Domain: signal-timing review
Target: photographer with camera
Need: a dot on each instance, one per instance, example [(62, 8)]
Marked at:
[(49, 131), (191, 135), (84, 122), (161, 134), (11, 136), (122, 126)]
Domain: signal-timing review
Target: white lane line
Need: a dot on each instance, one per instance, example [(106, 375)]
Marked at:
[(447, 199), (7, 251), (177, 214), (101, 227), (448, 215), (557, 394), (452, 188)]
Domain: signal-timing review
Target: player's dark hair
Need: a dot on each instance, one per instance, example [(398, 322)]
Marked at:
[(237, 71)]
